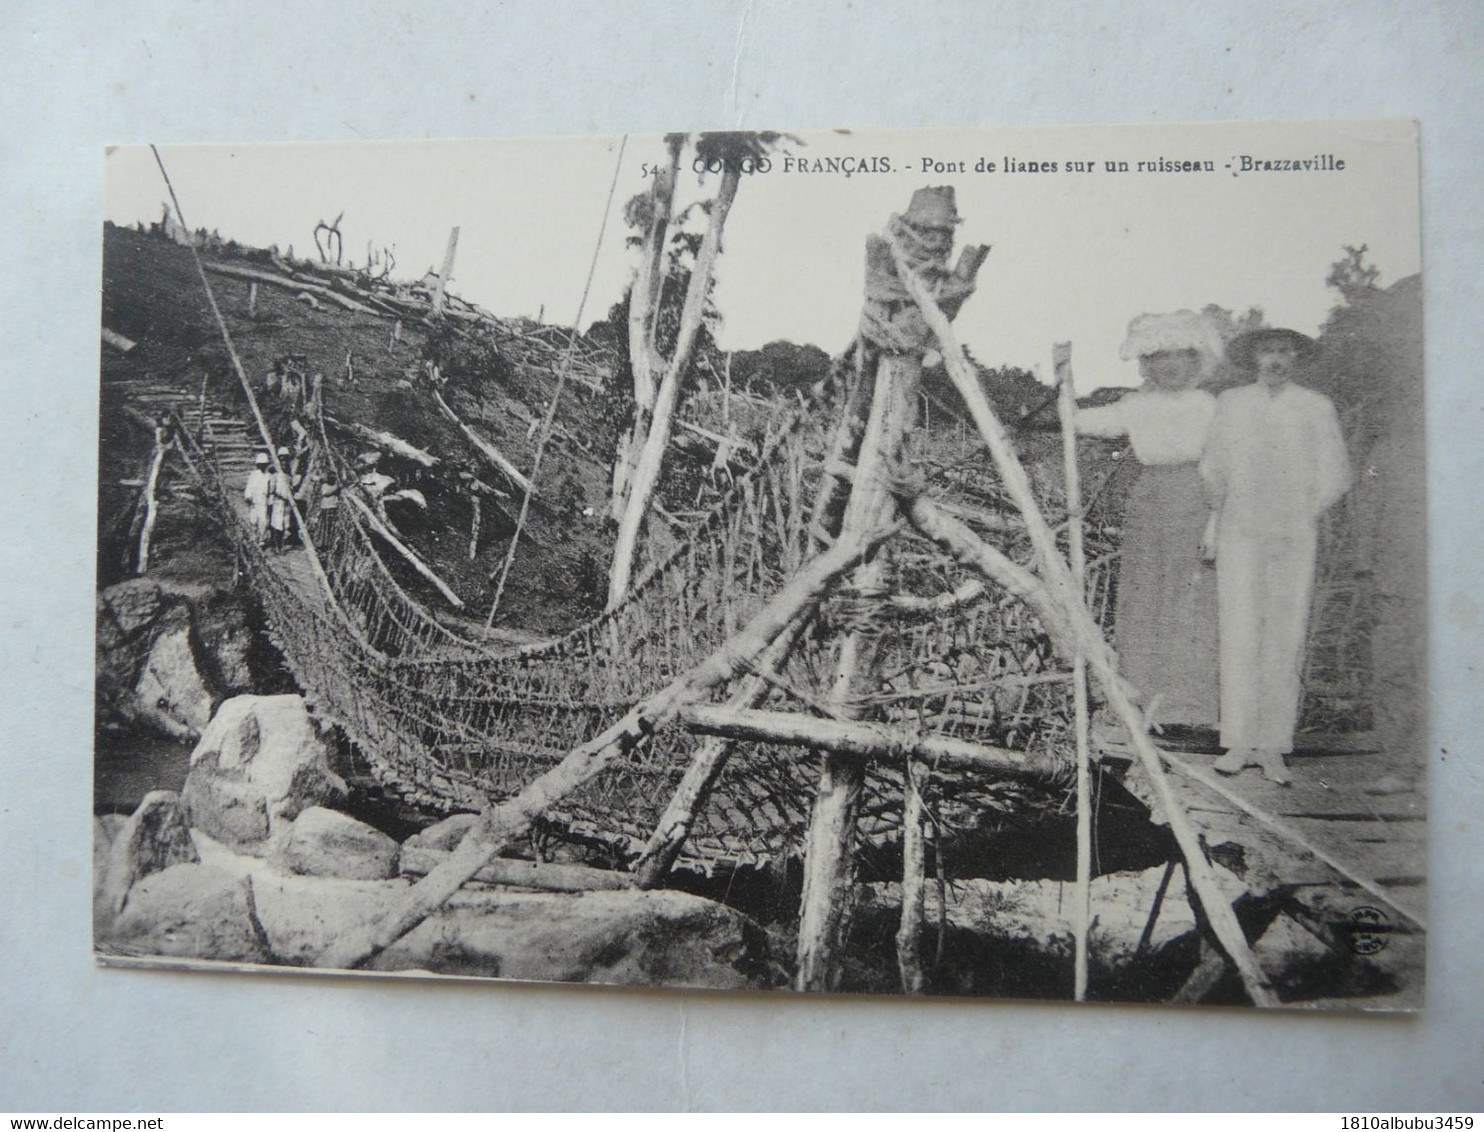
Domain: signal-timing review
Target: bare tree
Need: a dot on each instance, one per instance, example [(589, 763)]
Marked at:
[(657, 379)]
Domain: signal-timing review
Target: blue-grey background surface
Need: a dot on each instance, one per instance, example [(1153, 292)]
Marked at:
[(75, 76)]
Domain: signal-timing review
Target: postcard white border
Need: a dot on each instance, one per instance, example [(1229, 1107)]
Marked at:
[(81, 1038)]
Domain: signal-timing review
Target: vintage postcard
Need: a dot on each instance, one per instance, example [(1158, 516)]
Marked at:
[(972, 563)]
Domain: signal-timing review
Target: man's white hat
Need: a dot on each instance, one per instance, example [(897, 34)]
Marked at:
[(261, 458)]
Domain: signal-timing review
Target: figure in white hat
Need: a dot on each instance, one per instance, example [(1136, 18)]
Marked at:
[(1275, 463), (256, 495), (1165, 619), (280, 495)]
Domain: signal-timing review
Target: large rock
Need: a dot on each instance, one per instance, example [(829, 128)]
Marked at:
[(102, 841), (154, 838), (167, 651), (222, 625), (171, 694), (260, 763), (634, 938), (1039, 913), (129, 617), (189, 912), (325, 843), (302, 916), (1286, 946)]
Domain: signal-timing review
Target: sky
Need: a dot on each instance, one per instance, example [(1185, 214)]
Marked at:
[(1076, 252)]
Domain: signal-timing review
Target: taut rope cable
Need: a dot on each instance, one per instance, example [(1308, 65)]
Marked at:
[(525, 503), (252, 401)]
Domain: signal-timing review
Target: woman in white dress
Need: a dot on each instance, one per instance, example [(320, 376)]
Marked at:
[(1165, 614)]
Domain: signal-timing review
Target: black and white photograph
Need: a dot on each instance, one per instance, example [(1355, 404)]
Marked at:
[(983, 564)]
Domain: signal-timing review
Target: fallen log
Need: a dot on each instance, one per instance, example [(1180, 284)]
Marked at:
[(403, 549), (416, 861), (296, 285), (143, 419), (117, 341), (484, 447), (386, 440), (512, 817)]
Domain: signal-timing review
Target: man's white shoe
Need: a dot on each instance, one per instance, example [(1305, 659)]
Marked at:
[(1274, 767), (1235, 760)]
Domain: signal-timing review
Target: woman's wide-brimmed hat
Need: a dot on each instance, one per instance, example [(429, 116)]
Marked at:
[(1242, 350), (1175, 330), (933, 208)]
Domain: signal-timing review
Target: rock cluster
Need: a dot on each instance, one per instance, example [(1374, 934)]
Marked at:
[(252, 863), (169, 653)]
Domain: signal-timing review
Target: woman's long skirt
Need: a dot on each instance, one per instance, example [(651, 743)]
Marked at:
[(1165, 617)]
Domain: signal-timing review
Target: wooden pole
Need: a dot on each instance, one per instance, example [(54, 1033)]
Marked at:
[(201, 404), (1089, 635), (439, 292), (403, 549), (859, 740), (651, 456), (501, 822), (252, 299), (416, 861), (914, 879), (1061, 360), (497, 458), (706, 765), (151, 507), (474, 526), (1072, 628), (829, 868)]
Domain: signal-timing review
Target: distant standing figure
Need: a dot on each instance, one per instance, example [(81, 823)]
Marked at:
[(280, 495), (256, 495), (1165, 617), (1275, 463)]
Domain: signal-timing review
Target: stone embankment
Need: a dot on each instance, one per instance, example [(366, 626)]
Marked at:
[(254, 863)]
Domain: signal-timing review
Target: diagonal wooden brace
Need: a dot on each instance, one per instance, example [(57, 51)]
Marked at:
[(498, 824)]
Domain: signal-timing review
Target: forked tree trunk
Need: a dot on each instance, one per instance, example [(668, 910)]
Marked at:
[(644, 301), (652, 455)]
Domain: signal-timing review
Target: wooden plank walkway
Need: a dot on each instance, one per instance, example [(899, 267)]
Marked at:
[(1364, 807)]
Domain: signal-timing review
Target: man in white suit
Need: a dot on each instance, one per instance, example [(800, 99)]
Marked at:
[(1274, 464)]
